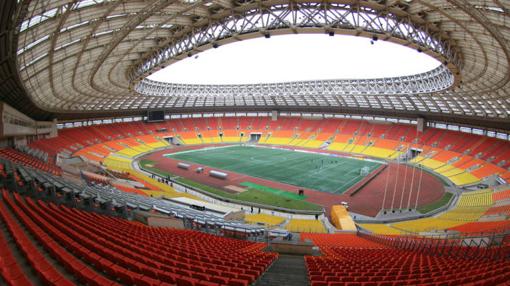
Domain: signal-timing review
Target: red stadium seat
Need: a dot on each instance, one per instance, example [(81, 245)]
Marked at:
[(114, 247)]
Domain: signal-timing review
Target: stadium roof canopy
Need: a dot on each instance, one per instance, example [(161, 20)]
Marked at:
[(71, 59)]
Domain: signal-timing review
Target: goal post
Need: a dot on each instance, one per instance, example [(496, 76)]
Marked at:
[(364, 171)]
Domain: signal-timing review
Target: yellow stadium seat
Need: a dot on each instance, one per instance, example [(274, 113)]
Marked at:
[(452, 172), (379, 152), (470, 207), (380, 228), (358, 149), (156, 145), (297, 142), (165, 190), (230, 139), (268, 220), (278, 140), (464, 179), (128, 152), (431, 163), (337, 146), (313, 144), (141, 148), (443, 169), (117, 163), (192, 141), (305, 225), (211, 140), (395, 155), (481, 198), (418, 159), (426, 225)]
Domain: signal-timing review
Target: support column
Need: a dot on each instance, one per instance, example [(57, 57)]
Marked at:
[(421, 124), (54, 129), (274, 115)]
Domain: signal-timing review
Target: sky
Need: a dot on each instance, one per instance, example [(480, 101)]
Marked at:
[(296, 58)]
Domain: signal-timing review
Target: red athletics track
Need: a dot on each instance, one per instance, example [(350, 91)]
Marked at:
[(367, 201)]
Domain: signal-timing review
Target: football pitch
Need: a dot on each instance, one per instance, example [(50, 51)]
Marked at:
[(307, 170)]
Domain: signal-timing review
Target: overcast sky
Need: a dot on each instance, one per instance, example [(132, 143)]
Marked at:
[(297, 57)]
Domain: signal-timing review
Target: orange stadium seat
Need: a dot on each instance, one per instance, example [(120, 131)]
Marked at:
[(401, 131), (114, 145), (502, 195), (228, 123), (340, 138), (345, 265), (350, 127), (380, 129), (131, 142), (187, 124), (466, 162), (445, 156), (487, 170), (331, 126), (310, 125), (28, 160), (347, 250), (499, 210), (504, 158), (147, 139), (99, 149), (188, 135), (387, 144), (201, 125), (259, 123), (44, 269), (141, 145), (283, 133), (479, 227), (10, 270), (132, 252), (364, 128), (230, 133), (323, 136), (209, 133)]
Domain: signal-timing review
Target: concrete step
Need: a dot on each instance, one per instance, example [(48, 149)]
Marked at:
[(287, 270)]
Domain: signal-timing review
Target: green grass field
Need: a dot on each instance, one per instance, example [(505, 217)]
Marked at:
[(307, 170), (437, 204), (254, 194), (273, 191)]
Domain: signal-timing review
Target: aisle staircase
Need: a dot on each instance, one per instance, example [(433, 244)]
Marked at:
[(287, 270)]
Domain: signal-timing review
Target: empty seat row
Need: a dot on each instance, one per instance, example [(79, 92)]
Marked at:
[(137, 254), (490, 150), (28, 160), (345, 265)]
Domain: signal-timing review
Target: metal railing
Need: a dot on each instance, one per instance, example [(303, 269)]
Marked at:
[(474, 245)]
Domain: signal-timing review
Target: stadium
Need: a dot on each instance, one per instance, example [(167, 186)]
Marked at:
[(110, 176)]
